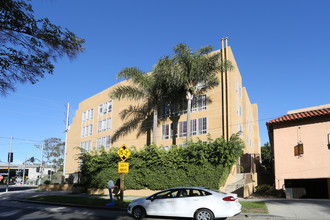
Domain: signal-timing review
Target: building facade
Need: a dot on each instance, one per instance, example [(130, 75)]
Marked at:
[(229, 111), (300, 142)]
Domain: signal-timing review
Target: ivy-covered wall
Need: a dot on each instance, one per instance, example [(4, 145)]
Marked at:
[(195, 164)]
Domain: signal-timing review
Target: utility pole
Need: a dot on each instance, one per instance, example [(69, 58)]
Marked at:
[(42, 155), (9, 159), (24, 170), (66, 138)]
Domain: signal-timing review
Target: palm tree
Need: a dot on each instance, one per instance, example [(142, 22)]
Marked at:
[(196, 72), (142, 87)]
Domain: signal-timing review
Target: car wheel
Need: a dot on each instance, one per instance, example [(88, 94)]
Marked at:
[(138, 212), (204, 214)]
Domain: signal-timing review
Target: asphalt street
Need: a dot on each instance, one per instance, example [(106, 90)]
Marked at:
[(10, 208)]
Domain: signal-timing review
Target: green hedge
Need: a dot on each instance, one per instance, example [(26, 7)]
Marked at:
[(196, 164)]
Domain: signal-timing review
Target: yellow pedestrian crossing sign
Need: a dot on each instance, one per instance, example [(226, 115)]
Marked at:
[(123, 152)]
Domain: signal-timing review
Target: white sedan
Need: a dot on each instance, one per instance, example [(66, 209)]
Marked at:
[(191, 202)]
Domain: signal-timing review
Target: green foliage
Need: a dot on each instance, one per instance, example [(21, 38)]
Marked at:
[(53, 151), (29, 45), (267, 190), (267, 158), (198, 164)]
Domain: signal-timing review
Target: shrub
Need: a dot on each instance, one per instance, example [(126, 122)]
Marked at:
[(267, 190), (198, 164)]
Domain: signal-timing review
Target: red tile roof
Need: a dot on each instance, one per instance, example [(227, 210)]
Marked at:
[(301, 115)]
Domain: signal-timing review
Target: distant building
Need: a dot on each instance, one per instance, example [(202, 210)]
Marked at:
[(300, 141), (32, 172), (98, 118)]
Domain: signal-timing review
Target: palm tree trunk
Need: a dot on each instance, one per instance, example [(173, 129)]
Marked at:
[(155, 125), (189, 97)]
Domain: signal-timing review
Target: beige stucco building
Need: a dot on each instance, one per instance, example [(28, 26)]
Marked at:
[(98, 117), (300, 142)]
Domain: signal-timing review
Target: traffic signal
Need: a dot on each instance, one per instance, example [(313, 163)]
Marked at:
[(10, 157), (38, 169), (32, 159)]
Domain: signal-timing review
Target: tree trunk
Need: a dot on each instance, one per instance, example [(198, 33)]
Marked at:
[(155, 125), (189, 97)]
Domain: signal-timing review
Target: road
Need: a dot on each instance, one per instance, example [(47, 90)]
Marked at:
[(15, 188), (278, 209)]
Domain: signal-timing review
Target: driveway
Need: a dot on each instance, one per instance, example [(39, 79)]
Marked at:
[(302, 209)]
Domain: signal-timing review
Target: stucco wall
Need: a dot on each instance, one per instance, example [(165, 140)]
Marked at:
[(314, 163)]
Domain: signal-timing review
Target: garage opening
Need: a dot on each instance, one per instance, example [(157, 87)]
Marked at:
[(307, 188)]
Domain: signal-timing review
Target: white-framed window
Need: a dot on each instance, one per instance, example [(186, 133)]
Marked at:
[(87, 145), (91, 112), (100, 109), (104, 125), (202, 125), (193, 127), (202, 103), (182, 128), (107, 141), (84, 116), (99, 126), (236, 86), (109, 123), (90, 130), (165, 131), (110, 106)]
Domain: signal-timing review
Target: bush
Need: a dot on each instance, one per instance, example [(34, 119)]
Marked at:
[(198, 164), (267, 190), (47, 182)]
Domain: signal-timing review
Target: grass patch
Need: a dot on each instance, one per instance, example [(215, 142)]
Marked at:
[(254, 207), (78, 200)]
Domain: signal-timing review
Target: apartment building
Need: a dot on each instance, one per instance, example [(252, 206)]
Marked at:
[(229, 111)]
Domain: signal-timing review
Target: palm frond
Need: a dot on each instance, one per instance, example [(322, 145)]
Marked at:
[(129, 92)]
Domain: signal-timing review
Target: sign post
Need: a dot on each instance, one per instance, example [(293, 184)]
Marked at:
[(123, 153)]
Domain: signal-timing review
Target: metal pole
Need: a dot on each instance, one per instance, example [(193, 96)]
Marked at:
[(122, 187), (8, 176), (24, 171), (42, 155), (66, 139)]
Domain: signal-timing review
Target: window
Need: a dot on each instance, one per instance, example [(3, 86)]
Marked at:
[(165, 110), (109, 122), (299, 149), (107, 141), (194, 105), (104, 125), (236, 86), (99, 126), (100, 109), (165, 131), (202, 125), (110, 106), (84, 116), (87, 146), (90, 130), (91, 116), (201, 102), (174, 130), (183, 107), (182, 128), (193, 125)]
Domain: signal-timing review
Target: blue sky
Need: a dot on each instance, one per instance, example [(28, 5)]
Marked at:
[(282, 49)]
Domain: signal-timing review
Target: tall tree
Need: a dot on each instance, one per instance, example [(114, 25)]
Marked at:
[(196, 72), (53, 151), (28, 46), (140, 87)]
